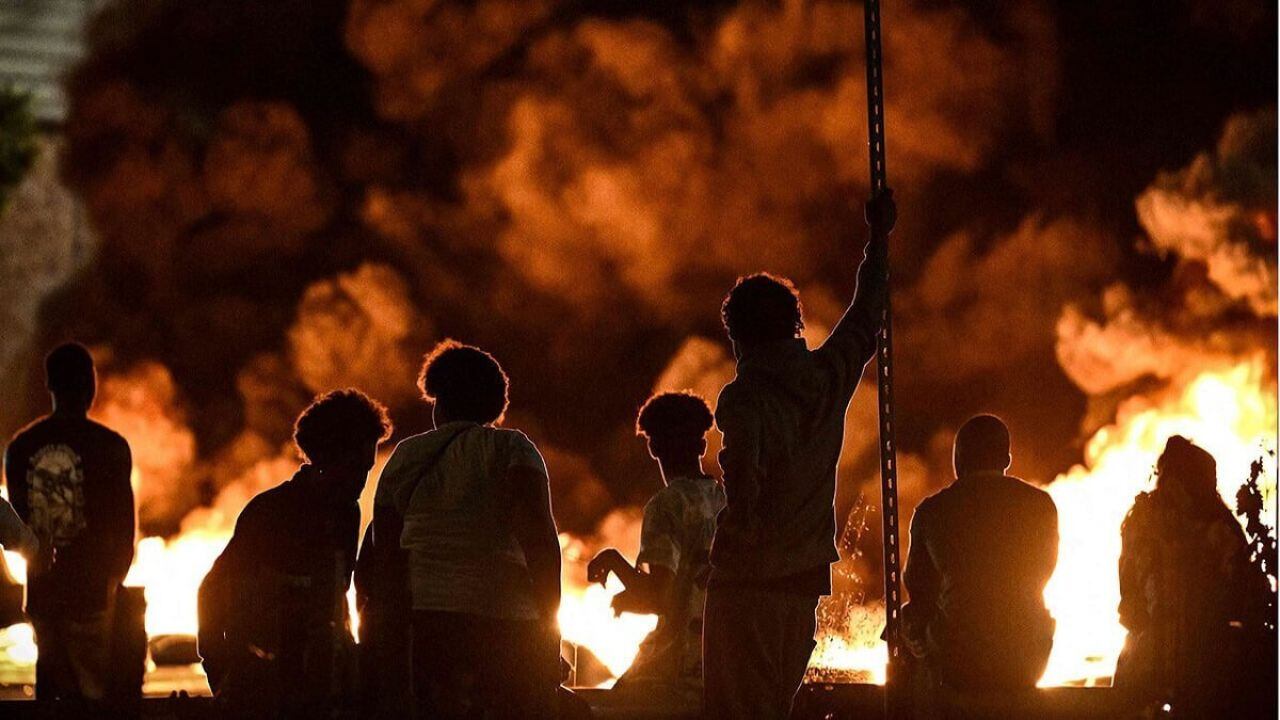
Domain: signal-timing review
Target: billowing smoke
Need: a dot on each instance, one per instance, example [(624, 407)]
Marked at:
[(304, 195), (1216, 219), (41, 249)]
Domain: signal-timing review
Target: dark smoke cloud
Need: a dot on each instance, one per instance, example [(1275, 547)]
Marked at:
[(298, 194)]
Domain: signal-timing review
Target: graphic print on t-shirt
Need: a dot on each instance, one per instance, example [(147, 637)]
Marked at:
[(55, 490)]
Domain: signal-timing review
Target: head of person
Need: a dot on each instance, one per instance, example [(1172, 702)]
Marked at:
[(982, 445), (465, 383), (70, 377), (675, 424), (1188, 474), (761, 309), (339, 434)]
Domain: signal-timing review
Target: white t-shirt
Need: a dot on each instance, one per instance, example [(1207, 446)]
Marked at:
[(463, 556)]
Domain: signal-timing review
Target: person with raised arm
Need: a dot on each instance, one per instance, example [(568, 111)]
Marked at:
[(782, 418)]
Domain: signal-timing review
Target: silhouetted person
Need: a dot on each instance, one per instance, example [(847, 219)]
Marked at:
[(982, 551), (783, 424), (68, 479), (670, 576), (469, 503), (274, 631), (1192, 601)]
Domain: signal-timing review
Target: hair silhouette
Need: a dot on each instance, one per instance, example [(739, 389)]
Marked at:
[(339, 421), (69, 370), (675, 423), (982, 443), (465, 382), (762, 308)]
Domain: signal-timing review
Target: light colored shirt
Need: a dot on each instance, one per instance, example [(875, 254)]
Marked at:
[(450, 486), (679, 523)]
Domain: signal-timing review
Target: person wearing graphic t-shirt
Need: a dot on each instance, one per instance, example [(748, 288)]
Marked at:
[(68, 479)]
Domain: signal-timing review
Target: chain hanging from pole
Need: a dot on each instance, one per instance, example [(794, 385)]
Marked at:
[(895, 707)]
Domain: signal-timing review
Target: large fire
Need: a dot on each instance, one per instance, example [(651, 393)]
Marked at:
[(596, 168)]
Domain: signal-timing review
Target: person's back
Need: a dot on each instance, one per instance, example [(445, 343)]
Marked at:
[(69, 480), (277, 581), (469, 504), (993, 542), (982, 551), (797, 399), (463, 555)]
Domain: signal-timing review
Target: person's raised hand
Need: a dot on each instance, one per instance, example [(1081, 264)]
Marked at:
[(881, 213), (602, 564)]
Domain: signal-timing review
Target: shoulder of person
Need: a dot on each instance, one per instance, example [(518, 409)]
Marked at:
[(734, 399), (665, 500), (412, 443), (259, 505), (115, 439), (409, 449), (1140, 514), (22, 436), (511, 435), (929, 506), (1036, 494)]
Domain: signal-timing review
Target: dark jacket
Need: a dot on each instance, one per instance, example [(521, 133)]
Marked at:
[(783, 422), (69, 480), (982, 551), (273, 613), (1194, 606)]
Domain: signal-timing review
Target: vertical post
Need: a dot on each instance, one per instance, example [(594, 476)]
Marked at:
[(895, 706)]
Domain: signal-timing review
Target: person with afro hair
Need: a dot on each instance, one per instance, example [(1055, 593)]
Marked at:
[(669, 577), (463, 524), (274, 631)]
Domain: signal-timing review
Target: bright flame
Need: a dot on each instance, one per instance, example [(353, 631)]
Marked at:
[(1231, 413), (587, 620)]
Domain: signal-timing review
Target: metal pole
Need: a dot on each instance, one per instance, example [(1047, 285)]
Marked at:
[(894, 695)]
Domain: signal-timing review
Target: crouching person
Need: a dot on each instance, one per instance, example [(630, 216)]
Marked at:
[(670, 576), (274, 633), (469, 505)]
